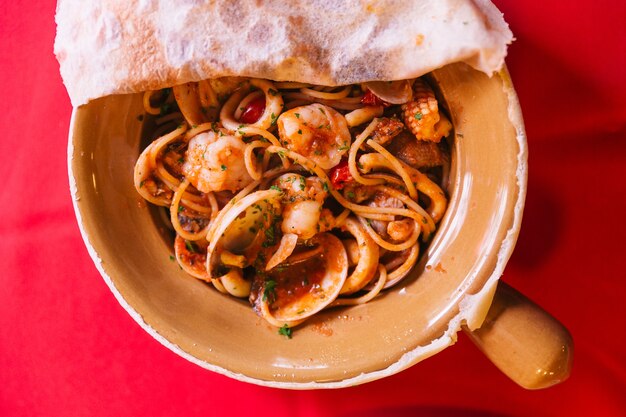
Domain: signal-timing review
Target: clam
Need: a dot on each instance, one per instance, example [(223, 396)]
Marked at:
[(243, 230), (393, 92), (307, 282)]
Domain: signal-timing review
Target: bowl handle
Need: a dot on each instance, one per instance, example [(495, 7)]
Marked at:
[(525, 342)]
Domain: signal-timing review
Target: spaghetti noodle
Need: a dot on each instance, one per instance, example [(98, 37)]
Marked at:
[(287, 194)]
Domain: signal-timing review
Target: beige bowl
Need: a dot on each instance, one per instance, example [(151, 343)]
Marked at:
[(453, 286)]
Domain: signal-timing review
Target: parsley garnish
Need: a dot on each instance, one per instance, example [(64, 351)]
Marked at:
[(269, 237), (274, 119), (272, 92), (325, 186), (322, 110), (270, 290), (172, 258), (418, 116), (181, 208), (344, 147), (223, 167), (297, 115), (190, 246), (299, 131), (275, 187), (350, 195), (285, 331)]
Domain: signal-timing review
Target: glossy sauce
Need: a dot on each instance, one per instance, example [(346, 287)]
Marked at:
[(297, 280)]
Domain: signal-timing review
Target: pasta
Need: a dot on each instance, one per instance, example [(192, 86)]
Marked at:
[(296, 196)]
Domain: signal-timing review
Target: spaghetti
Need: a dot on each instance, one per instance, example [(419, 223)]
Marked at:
[(292, 195)]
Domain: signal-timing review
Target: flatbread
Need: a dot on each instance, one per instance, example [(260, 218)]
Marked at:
[(122, 46)]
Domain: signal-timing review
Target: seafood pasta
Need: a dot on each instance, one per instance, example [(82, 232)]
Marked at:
[(295, 196)]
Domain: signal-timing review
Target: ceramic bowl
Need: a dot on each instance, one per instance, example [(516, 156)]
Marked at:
[(453, 285)]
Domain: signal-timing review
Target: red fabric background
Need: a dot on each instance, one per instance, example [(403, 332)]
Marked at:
[(68, 348)]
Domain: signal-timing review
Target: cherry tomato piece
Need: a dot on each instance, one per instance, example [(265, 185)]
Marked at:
[(253, 111), (371, 99), (340, 175)]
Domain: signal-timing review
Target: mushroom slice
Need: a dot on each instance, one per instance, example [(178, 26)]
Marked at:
[(295, 291), (393, 92)]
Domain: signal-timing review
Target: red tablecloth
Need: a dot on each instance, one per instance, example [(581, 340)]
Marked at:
[(68, 348)]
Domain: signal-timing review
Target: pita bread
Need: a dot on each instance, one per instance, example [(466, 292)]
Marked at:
[(120, 46)]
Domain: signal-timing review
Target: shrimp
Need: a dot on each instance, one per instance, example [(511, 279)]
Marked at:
[(303, 198), (216, 163), (315, 131)]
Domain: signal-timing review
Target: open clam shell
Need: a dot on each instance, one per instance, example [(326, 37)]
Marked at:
[(242, 230), (293, 292), (393, 92)]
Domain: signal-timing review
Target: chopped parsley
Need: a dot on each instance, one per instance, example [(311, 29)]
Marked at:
[(275, 187), (299, 131), (344, 147), (270, 238), (272, 92), (285, 331), (418, 116), (181, 208), (297, 115), (274, 119), (269, 292), (223, 167), (325, 186), (190, 246), (172, 258), (350, 195), (322, 110)]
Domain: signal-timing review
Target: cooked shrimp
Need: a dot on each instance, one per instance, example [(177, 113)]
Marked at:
[(216, 163), (315, 131), (302, 205)]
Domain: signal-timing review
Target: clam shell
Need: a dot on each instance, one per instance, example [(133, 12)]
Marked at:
[(295, 301)]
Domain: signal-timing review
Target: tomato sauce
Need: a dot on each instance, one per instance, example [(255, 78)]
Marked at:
[(296, 281)]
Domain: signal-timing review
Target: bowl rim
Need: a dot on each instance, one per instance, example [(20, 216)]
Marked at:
[(472, 307)]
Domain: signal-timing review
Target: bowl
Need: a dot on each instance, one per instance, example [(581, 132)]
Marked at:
[(452, 287)]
